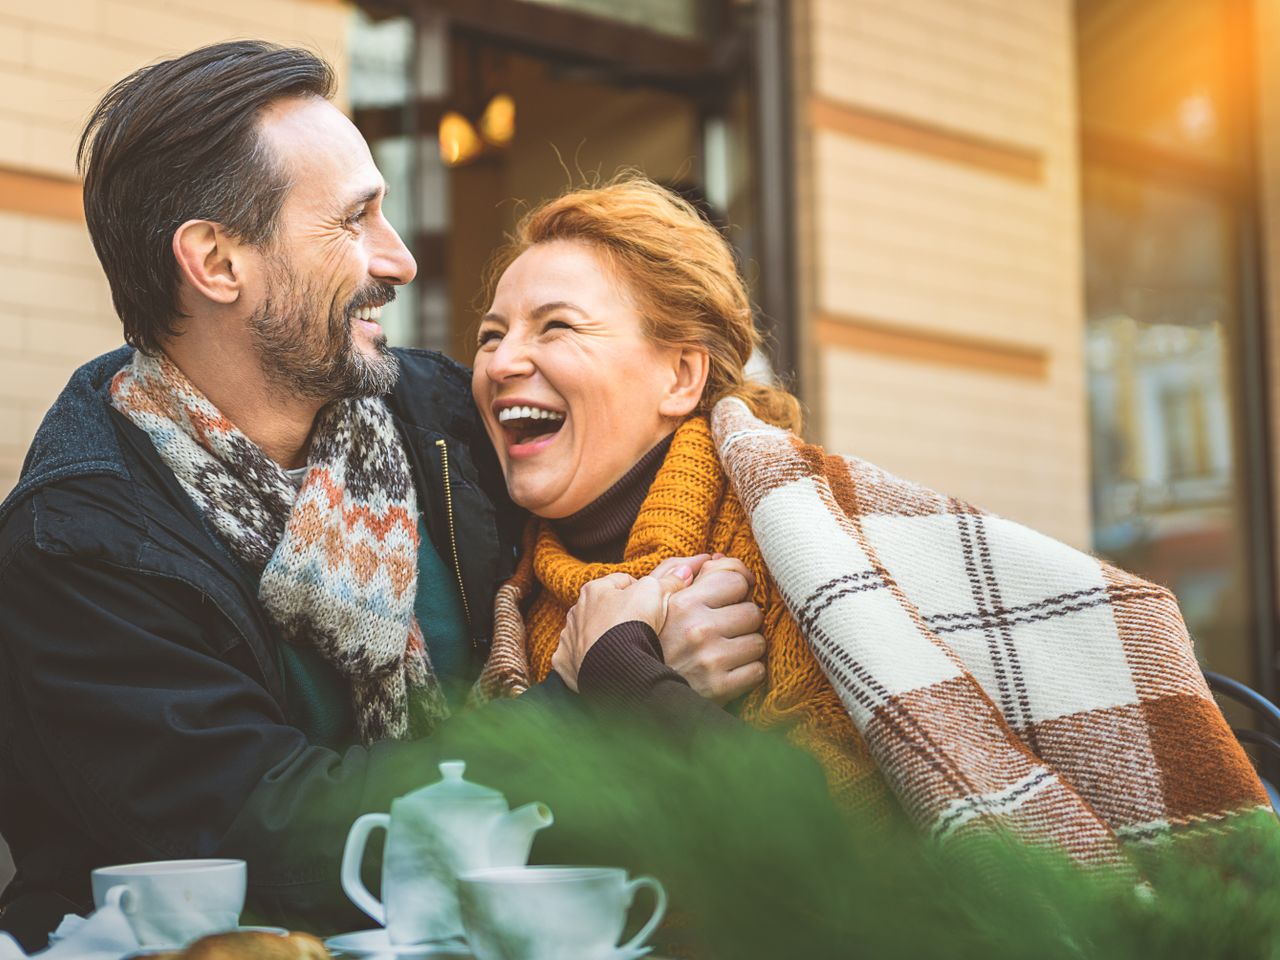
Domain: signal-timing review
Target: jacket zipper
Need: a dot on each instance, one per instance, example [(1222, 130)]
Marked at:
[(453, 538)]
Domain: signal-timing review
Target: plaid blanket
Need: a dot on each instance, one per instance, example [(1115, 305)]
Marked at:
[(1003, 680)]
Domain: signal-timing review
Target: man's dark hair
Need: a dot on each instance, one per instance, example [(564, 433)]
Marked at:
[(177, 141)]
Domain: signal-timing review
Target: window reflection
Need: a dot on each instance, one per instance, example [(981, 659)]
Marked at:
[(1161, 214)]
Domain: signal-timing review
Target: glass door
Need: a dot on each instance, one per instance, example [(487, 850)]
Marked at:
[(1168, 211)]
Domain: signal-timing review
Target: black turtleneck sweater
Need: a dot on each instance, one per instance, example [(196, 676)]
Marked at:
[(624, 667), (598, 532)]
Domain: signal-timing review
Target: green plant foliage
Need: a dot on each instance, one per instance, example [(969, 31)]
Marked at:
[(760, 864)]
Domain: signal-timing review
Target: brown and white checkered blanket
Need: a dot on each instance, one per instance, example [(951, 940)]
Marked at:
[(1003, 680)]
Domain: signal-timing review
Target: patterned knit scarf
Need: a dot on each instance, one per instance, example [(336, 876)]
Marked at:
[(337, 559)]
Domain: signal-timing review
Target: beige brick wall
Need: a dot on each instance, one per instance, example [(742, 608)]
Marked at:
[(57, 57), (987, 66), (55, 313), (915, 242)]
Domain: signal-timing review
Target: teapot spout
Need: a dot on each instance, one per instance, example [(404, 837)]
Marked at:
[(512, 835)]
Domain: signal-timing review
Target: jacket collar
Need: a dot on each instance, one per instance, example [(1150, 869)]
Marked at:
[(434, 393), (76, 437)]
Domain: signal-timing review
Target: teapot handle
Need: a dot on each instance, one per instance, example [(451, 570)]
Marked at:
[(353, 856)]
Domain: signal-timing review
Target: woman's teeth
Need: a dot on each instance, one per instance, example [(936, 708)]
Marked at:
[(368, 313), (525, 424), (528, 413)]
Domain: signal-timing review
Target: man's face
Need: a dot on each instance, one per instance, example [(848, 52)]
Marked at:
[(333, 263)]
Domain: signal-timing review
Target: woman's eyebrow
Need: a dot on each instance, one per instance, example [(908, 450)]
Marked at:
[(556, 305), (537, 313)]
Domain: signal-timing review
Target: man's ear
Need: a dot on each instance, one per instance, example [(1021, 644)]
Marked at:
[(690, 366), (208, 259)]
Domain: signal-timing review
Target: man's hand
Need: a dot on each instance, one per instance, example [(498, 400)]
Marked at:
[(711, 633), (618, 598)]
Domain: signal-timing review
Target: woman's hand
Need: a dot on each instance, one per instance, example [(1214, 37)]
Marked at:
[(711, 635), (618, 598)]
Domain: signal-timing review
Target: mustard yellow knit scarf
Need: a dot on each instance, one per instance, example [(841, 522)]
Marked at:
[(690, 509)]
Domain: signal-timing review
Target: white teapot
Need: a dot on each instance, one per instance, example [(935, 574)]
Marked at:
[(433, 834)]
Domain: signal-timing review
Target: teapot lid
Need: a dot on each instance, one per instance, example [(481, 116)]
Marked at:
[(452, 786)]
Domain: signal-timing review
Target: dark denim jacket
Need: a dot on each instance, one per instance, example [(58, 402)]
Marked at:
[(142, 713)]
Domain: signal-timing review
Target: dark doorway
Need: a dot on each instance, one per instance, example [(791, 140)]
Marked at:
[(669, 88)]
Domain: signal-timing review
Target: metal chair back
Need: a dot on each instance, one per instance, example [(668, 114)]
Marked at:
[(1245, 695)]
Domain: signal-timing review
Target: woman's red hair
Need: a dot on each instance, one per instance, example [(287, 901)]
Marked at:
[(679, 271)]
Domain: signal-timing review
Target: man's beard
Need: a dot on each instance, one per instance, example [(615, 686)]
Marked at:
[(306, 346)]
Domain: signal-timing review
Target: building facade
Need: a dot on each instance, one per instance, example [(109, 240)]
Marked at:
[(1020, 250)]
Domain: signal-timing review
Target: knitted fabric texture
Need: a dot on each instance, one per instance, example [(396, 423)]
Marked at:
[(689, 510), (1003, 683), (336, 559)]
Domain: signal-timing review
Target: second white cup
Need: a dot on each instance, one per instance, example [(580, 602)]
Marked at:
[(550, 913)]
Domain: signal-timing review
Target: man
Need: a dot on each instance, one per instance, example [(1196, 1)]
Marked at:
[(246, 574)]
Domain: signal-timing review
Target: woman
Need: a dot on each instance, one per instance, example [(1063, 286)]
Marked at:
[(618, 325)]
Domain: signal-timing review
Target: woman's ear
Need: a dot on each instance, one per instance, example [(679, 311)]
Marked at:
[(208, 260), (690, 366)]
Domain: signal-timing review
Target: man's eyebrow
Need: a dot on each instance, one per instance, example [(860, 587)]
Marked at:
[(372, 193)]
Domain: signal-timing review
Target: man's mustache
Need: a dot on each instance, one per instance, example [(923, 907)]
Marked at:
[(374, 295)]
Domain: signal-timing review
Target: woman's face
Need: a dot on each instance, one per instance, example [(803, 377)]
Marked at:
[(571, 390)]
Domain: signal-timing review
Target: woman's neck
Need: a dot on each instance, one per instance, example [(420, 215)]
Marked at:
[(598, 532)]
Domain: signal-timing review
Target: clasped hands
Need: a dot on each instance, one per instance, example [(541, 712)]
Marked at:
[(700, 609)]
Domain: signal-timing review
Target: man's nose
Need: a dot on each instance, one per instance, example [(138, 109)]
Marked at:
[(392, 262)]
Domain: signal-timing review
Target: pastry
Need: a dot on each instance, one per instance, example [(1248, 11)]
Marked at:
[(252, 945)]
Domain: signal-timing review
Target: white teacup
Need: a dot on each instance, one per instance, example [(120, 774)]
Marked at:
[(172, 902), (553, 913)]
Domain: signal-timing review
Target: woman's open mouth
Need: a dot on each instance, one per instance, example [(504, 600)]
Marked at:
[(529, 429)]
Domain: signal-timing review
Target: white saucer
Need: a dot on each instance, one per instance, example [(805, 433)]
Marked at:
[(374, 943)]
